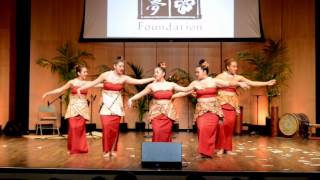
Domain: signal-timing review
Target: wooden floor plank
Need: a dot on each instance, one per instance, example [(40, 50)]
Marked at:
[(254, 153)]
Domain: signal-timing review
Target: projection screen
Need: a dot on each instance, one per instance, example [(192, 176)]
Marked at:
[(171, 19)]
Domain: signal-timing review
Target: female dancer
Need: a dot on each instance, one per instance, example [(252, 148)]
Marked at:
[(112, 110), (208, 109), (161, 113), (77, 112), (230, 106)]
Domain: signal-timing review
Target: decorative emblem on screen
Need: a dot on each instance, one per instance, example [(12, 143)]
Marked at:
[(169, 9)]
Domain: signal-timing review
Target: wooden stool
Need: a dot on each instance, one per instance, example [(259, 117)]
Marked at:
[(313, 126)]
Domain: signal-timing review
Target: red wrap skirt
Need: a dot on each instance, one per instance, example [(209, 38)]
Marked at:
[(226, 129), (110, 132), (162, 129), (77, 141), (207, 128)]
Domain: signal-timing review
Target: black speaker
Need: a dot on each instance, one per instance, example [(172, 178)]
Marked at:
[(12, 129), (64, 126), (161, 155), (91, 127)]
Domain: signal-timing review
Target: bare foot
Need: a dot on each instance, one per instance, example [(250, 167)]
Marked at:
[(202, 156), (114, 154), (231, 153), (106, 155), (220, 152)]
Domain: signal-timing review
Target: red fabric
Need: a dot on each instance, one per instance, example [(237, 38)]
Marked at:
[(110, 132), (165, 94), (226, 129), (206, 93), (230, 89), (162, 129), (77, 141), (74, 90), (112, 86), (207, 126)]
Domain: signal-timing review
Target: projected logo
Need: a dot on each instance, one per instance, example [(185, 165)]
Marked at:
[(169, 9)]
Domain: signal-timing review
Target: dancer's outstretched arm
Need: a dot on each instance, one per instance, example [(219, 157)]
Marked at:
[(144, 92), (185, 90), (257, 83), (58, 90), (177, 87), (133, 81), (93, 83), (223, 83), (181, 94)]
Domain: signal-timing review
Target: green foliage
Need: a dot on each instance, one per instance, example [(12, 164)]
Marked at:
[(182, 78), (64, 62), (270, 63), (103, 68), (142, 104)]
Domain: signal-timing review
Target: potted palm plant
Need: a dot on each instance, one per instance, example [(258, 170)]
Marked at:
[(270, 63), (63, 64), (142, 104), (182, 78)]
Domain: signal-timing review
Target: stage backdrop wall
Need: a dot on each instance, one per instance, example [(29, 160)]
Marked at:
[(5, 31), (57, 21)]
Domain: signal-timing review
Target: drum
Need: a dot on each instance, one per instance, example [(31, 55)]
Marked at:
[(291, 124)]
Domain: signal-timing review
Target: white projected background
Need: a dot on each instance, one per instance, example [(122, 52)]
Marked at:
[(145, 19)]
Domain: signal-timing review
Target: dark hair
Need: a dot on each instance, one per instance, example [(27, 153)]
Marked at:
[(195, 177), (118, 60), (78, 68), (228, 61), (125, 175), (203, 64), (162, 66), (99, 178)]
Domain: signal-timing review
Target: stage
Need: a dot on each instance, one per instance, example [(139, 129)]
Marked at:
[(274, 157)]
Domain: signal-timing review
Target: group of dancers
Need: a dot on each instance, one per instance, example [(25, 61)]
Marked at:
[(216, 99)]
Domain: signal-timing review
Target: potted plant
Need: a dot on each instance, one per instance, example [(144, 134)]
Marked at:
[(182, 78), (63, 64), (142, 104), (270, 63)]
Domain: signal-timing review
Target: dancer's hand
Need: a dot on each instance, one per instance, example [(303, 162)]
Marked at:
[(44, 96), (271, 82), (244, 85), (130, 103), (194, 94), (79, 91)]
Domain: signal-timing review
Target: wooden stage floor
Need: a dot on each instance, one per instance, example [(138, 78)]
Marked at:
[(254, 154)]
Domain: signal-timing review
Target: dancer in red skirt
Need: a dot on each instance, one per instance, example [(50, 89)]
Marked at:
[(77, 112), (161, 112), (230, 104), (208, 109), (112, 108)]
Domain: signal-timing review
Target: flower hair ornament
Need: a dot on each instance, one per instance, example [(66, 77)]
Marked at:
[(205, 64), (163, 65)]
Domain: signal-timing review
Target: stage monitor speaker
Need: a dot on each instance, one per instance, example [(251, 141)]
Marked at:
[(161, 155), (12, 129)]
